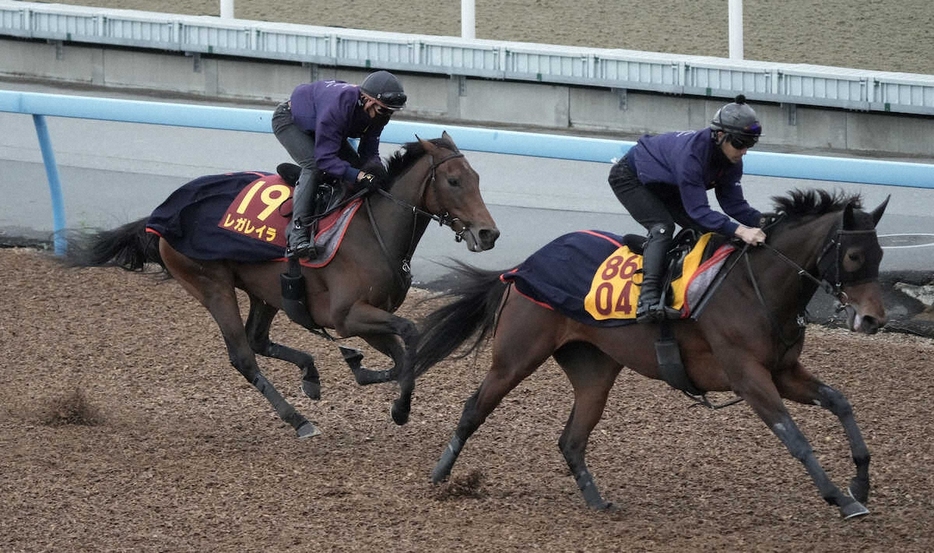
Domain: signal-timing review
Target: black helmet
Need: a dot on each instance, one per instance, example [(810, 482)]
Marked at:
[(738, 120), (385, 87)]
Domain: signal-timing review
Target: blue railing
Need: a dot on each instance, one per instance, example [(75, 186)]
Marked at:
[(795, 166)]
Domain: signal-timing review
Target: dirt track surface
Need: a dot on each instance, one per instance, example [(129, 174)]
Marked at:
[(186, 456)]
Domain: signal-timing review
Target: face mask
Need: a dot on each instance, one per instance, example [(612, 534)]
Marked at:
[(381, 118)]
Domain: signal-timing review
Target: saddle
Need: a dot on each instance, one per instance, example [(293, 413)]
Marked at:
[(681, 245), (329, 195)]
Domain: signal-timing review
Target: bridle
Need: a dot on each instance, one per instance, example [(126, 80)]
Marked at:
[(443, 219), (825, 265)]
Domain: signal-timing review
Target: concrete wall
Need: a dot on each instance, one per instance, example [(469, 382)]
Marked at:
[(469, 101)]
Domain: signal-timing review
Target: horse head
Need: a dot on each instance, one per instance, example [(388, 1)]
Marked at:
[(850, 263), (452, 193)]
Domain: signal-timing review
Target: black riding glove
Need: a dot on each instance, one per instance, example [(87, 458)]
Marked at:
[(368, 181)]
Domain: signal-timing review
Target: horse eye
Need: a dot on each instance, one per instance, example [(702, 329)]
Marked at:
[(453, 181), (853, 260)]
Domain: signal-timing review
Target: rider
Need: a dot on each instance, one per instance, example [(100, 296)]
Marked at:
[(314, 125), (664, 180)]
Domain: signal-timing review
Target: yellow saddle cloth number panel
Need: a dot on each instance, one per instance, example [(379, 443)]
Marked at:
[(614, 290)]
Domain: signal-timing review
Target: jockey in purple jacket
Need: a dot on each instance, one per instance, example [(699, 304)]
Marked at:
[(664, 180), (314, 125)]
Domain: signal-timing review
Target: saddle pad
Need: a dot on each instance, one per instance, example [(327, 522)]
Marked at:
[(594, 278), (239, 217)]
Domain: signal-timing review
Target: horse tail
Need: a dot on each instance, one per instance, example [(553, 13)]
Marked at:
[(128, 247), (473, 312)]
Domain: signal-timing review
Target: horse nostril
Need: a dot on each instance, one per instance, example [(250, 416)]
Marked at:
[(489, 236)]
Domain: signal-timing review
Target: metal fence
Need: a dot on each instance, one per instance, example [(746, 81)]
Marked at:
[(40, 105), (612, 68)]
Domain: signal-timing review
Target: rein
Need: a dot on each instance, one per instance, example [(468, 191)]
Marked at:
[(834, 289), (443, 220)]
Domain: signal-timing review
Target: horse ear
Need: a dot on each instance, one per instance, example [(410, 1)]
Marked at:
[(877, 212), (427, 144), (849, 221), (447, 137)]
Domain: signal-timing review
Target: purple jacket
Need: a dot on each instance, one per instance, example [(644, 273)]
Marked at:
[(333, 112), (694, 163)]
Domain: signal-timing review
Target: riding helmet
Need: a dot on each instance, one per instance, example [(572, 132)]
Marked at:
[(385, 87), (737, 118)]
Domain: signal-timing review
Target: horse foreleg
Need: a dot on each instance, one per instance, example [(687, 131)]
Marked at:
[(383, 330), (763, 397), (592, 374), (257, 333), (800, 386), (837, 404), (388, 345)]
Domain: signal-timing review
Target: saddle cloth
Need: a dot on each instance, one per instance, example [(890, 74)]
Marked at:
[(594, 277), (240, 217)]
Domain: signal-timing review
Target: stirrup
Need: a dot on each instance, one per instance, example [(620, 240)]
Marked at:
[(652, 314), (656, 314), (304, 250)]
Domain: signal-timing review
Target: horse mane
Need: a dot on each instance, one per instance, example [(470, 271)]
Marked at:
[(400, 161), (814, 202), (405, 157)]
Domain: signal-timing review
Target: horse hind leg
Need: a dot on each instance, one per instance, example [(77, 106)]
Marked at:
[(244, 360), (592, 374), (257, 332), (515, 357), (213, 287), (362, 375)]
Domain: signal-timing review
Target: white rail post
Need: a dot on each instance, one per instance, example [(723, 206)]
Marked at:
[(736, 29), (468, 19), (227, 9)]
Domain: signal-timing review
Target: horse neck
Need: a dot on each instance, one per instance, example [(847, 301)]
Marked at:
[(400, 228), (802, 244)]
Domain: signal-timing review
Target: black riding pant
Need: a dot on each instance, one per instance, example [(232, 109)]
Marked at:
[(650, 205)]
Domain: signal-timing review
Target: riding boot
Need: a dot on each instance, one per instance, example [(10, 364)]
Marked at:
[(301, 243), (653, 276)]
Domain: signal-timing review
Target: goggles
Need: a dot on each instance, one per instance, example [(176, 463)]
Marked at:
[(383, 110), (742, 141), (389, 102)]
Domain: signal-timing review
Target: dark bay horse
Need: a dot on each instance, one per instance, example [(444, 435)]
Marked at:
[(356, 293), (747, 339)]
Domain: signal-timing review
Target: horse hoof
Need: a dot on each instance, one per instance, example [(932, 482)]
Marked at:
[(312, 390), (853, 510), (307, 430), (399, 416)]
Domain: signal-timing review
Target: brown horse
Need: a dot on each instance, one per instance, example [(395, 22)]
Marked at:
[(355, 293), (747, 339)]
